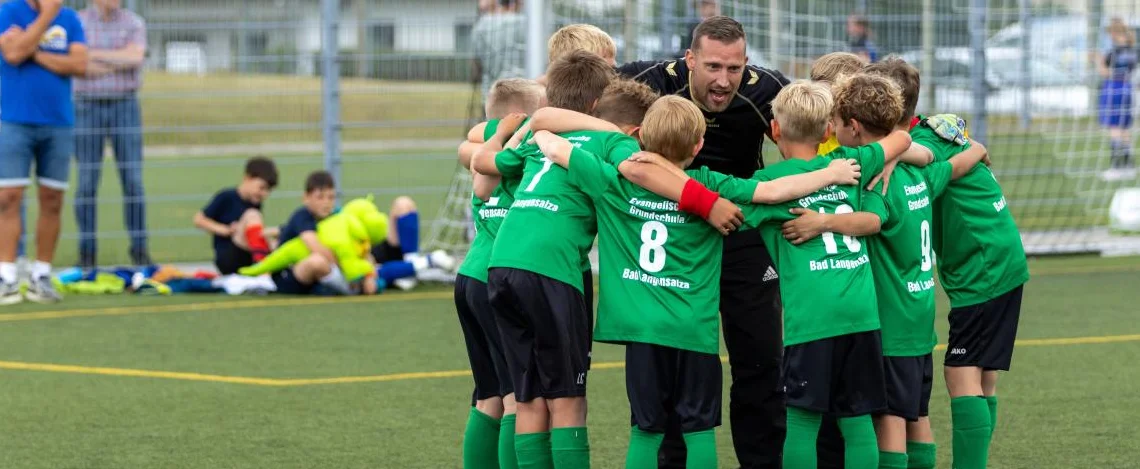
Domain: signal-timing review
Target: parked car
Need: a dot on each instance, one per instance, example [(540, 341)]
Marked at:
[(1052, 91)]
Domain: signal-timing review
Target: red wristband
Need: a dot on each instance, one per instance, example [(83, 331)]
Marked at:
[(697, 199)]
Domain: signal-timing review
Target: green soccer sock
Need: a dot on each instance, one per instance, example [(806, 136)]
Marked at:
[(861, 449), (701, 449), (570, 448), (508, 459), (533, 450), (888, 460), (799, 444), (481, 441), (992, 401), (643, 448), (921, 455), (970, 421)]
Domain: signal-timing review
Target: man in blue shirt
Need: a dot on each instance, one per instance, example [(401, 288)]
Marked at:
[(42, 47)]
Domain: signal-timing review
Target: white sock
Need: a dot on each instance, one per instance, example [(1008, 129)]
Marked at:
[(8, 273), (41, 269)]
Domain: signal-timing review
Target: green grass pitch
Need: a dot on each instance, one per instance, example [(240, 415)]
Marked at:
[(73, 396)]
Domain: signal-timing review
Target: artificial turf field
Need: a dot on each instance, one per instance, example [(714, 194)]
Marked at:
[(281, 382)]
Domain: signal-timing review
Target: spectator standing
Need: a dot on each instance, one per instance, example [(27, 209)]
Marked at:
[(1116, 69), (43, 47), (859, 38), (107, 107), (499, 43), (706, 9)]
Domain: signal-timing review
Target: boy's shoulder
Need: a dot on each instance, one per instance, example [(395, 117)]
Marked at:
[(791, 166)]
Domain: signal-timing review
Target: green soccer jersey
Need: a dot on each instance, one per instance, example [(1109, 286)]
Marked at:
[(902, 259), (550, 227), (487, 217), (659, 266), (825, 283), (980, 256)]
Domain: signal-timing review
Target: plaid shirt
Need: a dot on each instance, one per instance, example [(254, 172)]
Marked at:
[(121, 28)]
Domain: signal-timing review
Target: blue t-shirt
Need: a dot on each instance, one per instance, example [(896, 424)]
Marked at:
[(30, 93), (1121, 61), (226, 207), (300, 221)]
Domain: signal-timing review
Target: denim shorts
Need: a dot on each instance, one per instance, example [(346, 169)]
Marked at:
[(49, 147)]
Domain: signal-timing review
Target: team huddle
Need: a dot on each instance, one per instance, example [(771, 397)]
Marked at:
[(868, 199)]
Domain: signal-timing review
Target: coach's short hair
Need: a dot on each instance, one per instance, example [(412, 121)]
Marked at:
[(673, 127), (577, 81), (319, 180), (625, 102), (261, 167), (514, 95), (585, 37), (718, 28), (802, 110), (830, 67), (874, 101), (904, 75)]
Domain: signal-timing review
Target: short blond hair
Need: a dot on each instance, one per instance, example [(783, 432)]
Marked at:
[(673, 126), (829, 67), (585, 37), (509, 95), (802, 109), (873, 100)]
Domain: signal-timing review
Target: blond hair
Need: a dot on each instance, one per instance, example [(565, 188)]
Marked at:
[(829, 67), (509, 95), (873, 100), (585, 37), (1117, 27), (802, 109), (625, 102), (672, 127)]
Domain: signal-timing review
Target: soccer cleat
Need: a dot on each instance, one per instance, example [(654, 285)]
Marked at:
[(10, 293), (405, 283), (41, 290), (442, 260)]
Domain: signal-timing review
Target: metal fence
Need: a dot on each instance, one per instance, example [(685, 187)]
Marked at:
[(380, 91)]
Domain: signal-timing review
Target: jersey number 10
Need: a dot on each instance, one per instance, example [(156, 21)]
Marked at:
[(829, 244)]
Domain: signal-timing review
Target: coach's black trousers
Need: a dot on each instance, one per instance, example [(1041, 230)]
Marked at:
[(753, 332)]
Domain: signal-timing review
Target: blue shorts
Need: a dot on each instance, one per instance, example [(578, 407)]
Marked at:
[(50, 147), (1116, 103)]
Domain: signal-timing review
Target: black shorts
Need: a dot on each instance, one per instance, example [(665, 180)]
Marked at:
[(545, 329), (588, 297), (842, 376), (385, 252), (982, 335), (228, 259), (484, 349), (663, 381), (909, 383), (288, 284)]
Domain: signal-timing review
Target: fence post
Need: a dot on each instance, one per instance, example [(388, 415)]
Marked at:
[(928, 57), (330, 89), (668, 27), (1026, 79), (774, 35), (1092, 43), (978, 69), (535, 11)]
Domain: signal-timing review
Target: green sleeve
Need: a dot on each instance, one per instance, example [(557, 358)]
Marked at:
[(941, 149), (739, 191), (756, 214), (510, 162), (589, 174), (870, 158), (763, 175), (874, 202), (490, 129), (938, 177), (621, 149)]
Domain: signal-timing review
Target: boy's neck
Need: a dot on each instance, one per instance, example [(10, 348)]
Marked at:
[(869, 139), (798, 150), (241, 192)]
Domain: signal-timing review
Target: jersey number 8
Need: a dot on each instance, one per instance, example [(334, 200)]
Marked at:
[(653, 237)]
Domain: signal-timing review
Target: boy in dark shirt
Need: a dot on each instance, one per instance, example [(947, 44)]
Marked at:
[(233, 216), (316, 205)]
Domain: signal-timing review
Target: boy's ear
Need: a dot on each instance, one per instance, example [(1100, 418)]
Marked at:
[(593, 106), (775, 126), (634, 132), (827, 132), (697, 148)]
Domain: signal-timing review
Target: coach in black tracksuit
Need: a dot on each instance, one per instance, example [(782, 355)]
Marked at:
[(736, 101)]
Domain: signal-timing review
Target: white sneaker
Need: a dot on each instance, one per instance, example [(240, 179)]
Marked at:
[(10, 293), (442, 260), (406, 283), (41, 290)]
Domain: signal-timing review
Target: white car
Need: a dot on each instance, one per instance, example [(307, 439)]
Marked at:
[(1053, 92)]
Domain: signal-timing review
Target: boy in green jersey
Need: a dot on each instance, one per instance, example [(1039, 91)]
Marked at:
[(832, 347), (489, 435), (660, 271), (902, 262)]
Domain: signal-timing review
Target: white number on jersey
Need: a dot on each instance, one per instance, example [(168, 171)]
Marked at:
[(538, 177), (924, 232), (653, 237), (852, 242)]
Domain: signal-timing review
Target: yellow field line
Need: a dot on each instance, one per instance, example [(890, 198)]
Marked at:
[(221, 305), (88, 370)]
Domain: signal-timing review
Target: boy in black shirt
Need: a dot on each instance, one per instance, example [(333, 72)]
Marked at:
[(316, 205), (233, 216)]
